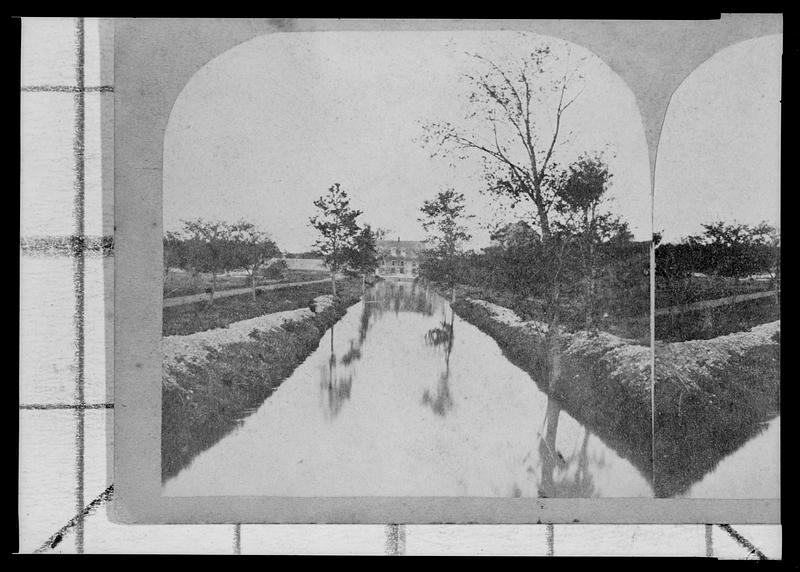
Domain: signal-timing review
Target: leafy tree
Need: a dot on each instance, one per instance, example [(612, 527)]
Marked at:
[(442, 221), (581, 194), (173, 252), (514, 121), (250, 248), (337, 227), (207, 248), (275, 270), (735, 249), (363, 257)]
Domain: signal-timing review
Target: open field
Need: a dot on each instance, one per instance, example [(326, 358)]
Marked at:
[(699, 288), (180, 283), (717, 321)]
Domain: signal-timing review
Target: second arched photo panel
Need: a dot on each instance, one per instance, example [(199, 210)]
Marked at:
[(717, 280)]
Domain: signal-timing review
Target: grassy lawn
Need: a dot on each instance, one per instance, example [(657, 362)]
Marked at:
[(699, 288), (197, 317), (712, 322), (180, 283)]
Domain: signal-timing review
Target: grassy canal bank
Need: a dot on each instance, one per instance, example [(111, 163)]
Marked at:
[(711, 395), (197, 317), (244, 351)]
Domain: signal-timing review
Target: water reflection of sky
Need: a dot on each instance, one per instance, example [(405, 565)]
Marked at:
[(750, 472), (402, 398)]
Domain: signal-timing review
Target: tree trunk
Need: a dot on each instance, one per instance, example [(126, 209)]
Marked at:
[(333, 282), (547, 449), (213, 288), (552, 340), (590, 288), (363, 284), (253, 281), (553, 348), (541, 209)]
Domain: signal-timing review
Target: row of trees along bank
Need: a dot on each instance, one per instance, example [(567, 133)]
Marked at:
[(722, 250), (514, 124), (216, 247)]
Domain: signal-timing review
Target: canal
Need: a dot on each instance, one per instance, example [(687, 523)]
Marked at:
[(402, 398)]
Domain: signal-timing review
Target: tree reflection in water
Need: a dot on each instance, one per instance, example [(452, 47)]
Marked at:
[(441, 337), (337, 376), (565, 477), (336, 386), (401, 297)]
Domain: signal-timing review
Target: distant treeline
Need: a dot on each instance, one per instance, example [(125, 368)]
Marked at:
[(728, 250), (216, 247), (302, 255)]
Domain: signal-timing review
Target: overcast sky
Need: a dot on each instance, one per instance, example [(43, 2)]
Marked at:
[(267, 127), (719, 154)]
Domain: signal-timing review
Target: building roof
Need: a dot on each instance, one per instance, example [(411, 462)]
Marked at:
[(407, 244)]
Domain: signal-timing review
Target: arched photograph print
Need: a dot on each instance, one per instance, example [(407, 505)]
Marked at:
[(717, 319), (406, 264)]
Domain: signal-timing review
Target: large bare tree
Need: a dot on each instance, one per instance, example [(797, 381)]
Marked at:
[(514, 122)]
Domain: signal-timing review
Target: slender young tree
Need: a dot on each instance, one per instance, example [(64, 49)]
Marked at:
[(443, 221), (582, 192), (337, 226), (363, 256)]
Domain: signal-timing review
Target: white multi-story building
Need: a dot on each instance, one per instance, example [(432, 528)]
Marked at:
[(401, 258)]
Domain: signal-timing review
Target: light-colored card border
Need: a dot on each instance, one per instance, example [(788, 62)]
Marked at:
[(153, 61)]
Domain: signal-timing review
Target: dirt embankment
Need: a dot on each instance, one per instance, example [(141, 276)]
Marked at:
[(211, 378), (710, 395)]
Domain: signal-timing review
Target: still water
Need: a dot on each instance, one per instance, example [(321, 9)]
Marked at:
[(402, 398)]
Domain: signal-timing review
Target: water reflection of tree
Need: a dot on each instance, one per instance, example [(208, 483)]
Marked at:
[(441, 337), (337, 375), (402, 297), (562, 477), (337, 385)]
